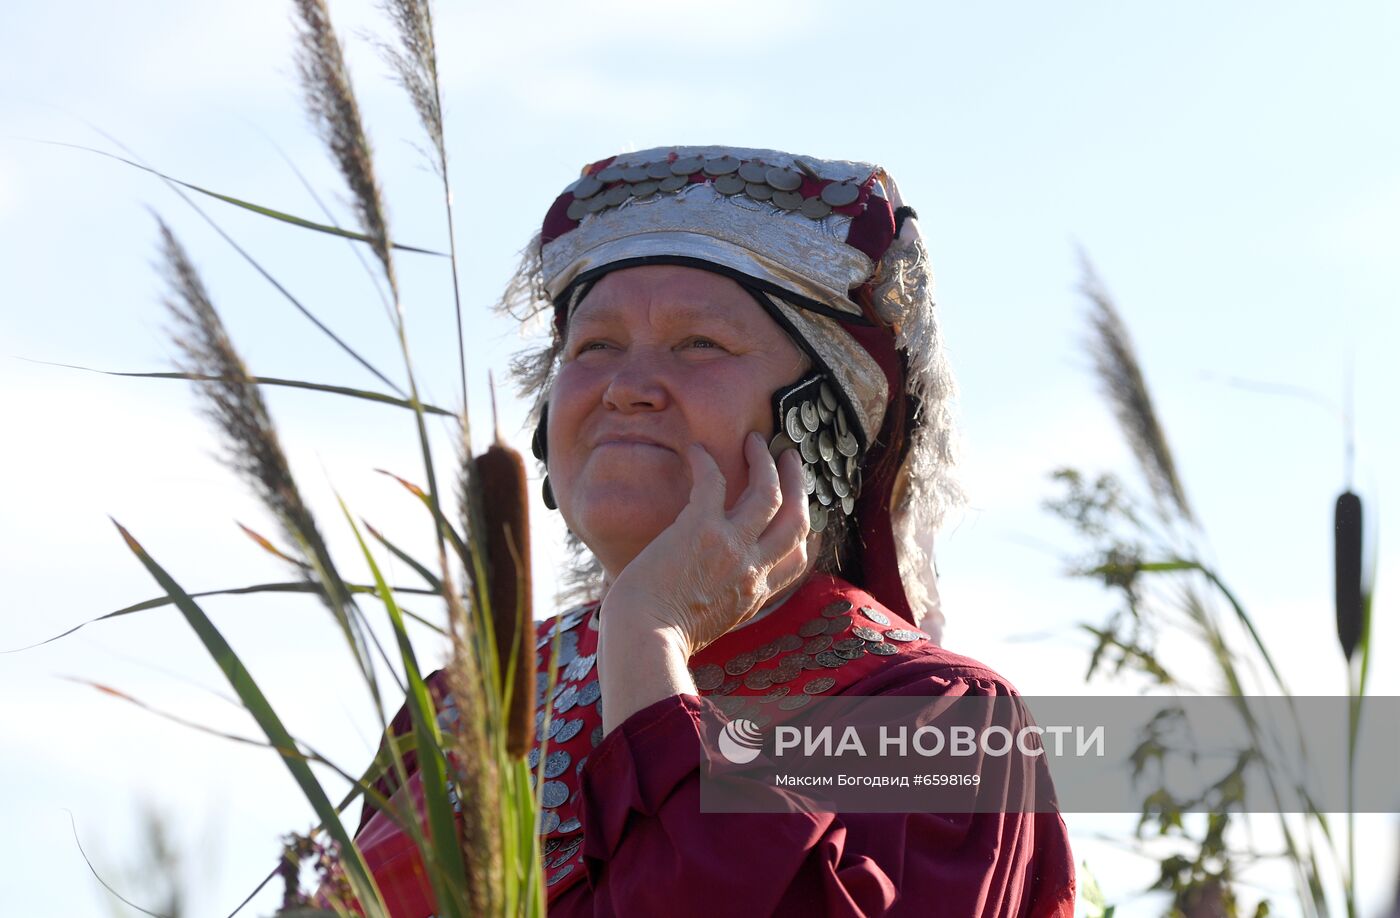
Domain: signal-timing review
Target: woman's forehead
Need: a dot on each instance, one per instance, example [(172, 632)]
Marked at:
[(652, 292)]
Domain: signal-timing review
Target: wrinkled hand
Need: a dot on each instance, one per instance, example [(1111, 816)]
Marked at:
[(713, 569)]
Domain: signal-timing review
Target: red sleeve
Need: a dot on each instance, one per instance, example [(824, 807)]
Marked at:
[(648, 850), (646, 839)]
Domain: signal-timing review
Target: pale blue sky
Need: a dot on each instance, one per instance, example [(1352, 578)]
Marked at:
[(1232, 169)]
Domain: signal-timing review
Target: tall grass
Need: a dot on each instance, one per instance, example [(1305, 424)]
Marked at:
[(476, 834), (1157, 563)]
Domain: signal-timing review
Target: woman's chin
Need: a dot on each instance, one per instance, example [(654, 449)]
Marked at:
[(632, 514)]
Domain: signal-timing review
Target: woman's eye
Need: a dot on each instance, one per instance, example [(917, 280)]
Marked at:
[(702, 343)]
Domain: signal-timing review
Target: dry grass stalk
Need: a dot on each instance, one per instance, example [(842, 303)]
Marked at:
[(1122, 381), (330, 100), (477, 775)]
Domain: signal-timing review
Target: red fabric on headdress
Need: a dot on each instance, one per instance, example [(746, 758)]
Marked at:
[(872, 230), (879, 560)]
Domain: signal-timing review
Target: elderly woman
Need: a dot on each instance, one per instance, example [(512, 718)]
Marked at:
[(745, 422)]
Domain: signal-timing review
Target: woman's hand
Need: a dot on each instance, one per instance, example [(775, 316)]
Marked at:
[(713, 569)]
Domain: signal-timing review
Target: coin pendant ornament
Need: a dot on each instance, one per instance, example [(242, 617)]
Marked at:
[(729, 184), (809, 416)]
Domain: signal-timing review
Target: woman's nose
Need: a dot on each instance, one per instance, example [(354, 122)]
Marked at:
[(637, 385)]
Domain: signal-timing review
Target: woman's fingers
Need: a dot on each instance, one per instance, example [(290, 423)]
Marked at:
[(761, 498), (707, 484), (789, 527), (789, 570)]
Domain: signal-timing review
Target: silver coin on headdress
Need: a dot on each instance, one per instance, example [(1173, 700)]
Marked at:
[(753, 172), (783, 179), (687, 165), (796, 430), (839, 194), (721, 165), (729, 184), (815, 208)]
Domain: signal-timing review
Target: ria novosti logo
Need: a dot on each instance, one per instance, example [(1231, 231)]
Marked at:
[(740, 741)]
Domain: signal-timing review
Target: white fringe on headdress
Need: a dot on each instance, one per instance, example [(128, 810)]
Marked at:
[(927, 487)]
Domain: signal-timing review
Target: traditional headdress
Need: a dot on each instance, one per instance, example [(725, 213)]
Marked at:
[(834, 255)]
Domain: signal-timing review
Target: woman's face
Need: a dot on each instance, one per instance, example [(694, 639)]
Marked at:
[(655, 358)]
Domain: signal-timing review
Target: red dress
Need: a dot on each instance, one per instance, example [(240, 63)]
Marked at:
[(622, 829)]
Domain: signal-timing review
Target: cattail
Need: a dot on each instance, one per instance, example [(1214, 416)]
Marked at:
[(1347, 524), (500, 475)]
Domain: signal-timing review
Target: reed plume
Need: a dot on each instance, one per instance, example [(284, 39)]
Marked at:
[(1121, 380), (231, 399), (415, 65), (330, 100)]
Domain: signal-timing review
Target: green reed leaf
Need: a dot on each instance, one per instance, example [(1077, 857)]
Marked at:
[(357, 871), (266, 545), (427, 500), (299, 586), (365, 394), (428, 576), (108, 886), (445, 850), (246, 205)]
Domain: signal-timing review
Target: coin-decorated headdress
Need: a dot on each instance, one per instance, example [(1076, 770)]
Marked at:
[(834, 255)]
